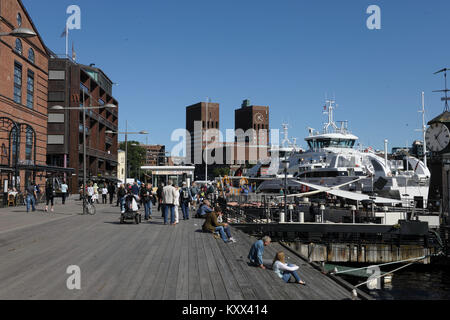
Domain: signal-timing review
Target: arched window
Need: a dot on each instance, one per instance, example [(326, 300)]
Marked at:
[(15, 141), (29, 144), (19, 46), (31, 55), (19, 20)]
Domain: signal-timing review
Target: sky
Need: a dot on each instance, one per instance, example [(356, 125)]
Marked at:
[(290, 55)]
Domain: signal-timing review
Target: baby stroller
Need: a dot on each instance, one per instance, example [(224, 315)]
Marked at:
[(131, 209)]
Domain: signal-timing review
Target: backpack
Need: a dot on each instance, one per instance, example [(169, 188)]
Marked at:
[(185, 194)]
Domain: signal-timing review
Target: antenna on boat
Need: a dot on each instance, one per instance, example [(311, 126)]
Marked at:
[(329, 107), (446, 98), (424, 130)]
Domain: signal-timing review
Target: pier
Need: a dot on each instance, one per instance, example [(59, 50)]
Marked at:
[(140, 262)]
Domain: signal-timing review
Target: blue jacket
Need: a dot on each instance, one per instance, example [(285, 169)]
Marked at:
[(203, 210), (256, 253)]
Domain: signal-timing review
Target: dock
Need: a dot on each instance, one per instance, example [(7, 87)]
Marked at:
[(149, 261)]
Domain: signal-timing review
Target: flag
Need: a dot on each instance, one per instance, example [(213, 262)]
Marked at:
[(64, 34), (74, 55)]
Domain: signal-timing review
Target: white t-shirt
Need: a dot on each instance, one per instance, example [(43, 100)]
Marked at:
[(90, 191), (64, 188), (104, 191)]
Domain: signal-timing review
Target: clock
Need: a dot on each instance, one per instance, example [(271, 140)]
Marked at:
[(437, 137), (259, 118)]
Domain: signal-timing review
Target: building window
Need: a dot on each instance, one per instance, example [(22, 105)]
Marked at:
[(29, 144), (19, 20), (15, 142), (30, 89), (18, 46), (31, 55), (17, 83)]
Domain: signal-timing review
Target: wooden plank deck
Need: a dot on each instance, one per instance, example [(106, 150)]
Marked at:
[(149, 261)]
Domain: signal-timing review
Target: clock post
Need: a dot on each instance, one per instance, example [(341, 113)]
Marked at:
[(438, 141)]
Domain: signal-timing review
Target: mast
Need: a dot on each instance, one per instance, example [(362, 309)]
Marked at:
[(424, 130)]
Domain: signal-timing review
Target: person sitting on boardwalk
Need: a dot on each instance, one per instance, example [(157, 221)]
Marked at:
[(204, 209), (286, 271), (256, 252), (212, 225)]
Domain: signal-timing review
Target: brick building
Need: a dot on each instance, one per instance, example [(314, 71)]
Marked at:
[(23, 100), (252, 133), (155, 155), (74, 85)]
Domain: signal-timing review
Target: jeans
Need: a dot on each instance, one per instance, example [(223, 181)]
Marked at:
[(31, 200), (222, 232), (122, 204), (166, 212), (185, 210), (64, 195), (287, 275), (148, 209)]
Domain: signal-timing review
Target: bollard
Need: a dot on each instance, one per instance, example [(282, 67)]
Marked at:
[(301, 217), (282, 217)]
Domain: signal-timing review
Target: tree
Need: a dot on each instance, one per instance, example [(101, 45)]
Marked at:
[(136, 158)]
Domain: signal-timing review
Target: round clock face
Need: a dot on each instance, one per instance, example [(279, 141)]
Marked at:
[(259, 118), (437, 137)]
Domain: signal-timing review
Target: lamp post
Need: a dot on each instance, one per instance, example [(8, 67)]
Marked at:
[(322, 209), (19, 33), (84, 108), (353, 208), (286, 167), (126, 133)]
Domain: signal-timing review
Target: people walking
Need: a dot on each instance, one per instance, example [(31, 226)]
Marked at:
[(90, 193), (49, 195), (31, 197), (177, 204), (64, 189), (286, 271), (147, 200), (185, 200), (159, 195), (121, 193), (256, 252), (168, 200), (104, 195), (111, 191), (95, 196)]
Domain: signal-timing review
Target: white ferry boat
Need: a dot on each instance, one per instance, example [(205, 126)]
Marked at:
[(332, 160)]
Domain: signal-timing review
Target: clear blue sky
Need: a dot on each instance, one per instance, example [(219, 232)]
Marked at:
[(288, 54)]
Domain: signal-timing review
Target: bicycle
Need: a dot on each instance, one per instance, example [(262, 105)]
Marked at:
[(89, 206)]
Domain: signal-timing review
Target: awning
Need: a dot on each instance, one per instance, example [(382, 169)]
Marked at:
[(48, 169)]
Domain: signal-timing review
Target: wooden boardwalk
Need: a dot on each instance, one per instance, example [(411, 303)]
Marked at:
[(150, 261)]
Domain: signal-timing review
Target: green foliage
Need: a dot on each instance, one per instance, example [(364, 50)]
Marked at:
[(136, 158), (225, 171)]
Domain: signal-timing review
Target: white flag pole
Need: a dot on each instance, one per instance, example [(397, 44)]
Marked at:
[(67, 40)]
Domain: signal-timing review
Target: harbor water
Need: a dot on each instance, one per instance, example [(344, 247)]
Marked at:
[(412, 283)]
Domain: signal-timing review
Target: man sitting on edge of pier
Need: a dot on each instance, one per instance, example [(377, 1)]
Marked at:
[(256, 252)]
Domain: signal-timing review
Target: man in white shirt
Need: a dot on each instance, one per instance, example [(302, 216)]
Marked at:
[(169, 195), (64, 188)]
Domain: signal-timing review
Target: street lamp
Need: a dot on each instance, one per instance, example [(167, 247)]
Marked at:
[(353, 208), (322, 209), (126, 133), (19, 33), (84, 108)]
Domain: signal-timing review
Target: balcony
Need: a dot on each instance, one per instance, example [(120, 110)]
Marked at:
[(98, 153)]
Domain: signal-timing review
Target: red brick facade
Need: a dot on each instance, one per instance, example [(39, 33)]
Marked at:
[(36, 116)]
